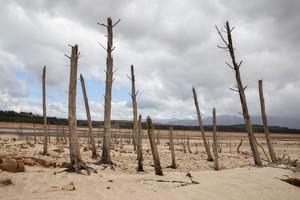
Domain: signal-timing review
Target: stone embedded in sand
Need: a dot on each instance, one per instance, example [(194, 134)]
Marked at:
[(69, 187), (28, 161), (20, 166), (45, 163), (9, 165), (65, 165)]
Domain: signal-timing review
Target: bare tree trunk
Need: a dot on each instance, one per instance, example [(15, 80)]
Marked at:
[(57, 133), (134, 106), (158, 138), (188, 144), (44, 112), (265, 122), (106, 157), (34, 133), (206, 145), (173, 165), (216, 161), (75, 157), (88, 115), (157, 166), (241, 90), (140, 146)]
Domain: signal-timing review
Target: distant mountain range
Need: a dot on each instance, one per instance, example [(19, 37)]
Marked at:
[(233, 120)]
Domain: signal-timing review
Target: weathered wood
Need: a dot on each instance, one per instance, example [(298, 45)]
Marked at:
[(157, 166), (88, 115), (206, 145), (106, 157), (173, 164), (140, 145), (265, 122), (241, 90), (44, 112), (134, 108), (75, 157), (216, 158)]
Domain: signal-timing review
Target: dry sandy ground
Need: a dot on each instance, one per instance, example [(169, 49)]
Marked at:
[(238, 179)]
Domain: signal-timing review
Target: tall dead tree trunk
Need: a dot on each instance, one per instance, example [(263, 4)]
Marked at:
[(265, 123), (44, 112), (75, 157), (106, 158), (134, 106), (88, 115), (140, 145), (173, 164), (206, 145), (157, 166), (216, 161), (241, 90)]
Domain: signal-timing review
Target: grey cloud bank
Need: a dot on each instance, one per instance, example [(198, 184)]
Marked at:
[(172, 44)]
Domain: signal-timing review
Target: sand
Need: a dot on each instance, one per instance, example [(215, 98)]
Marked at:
[(237, 179)]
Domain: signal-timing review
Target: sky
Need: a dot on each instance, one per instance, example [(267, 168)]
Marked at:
[(172, 45)]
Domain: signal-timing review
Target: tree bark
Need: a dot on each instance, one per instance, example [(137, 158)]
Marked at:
[(44, 112), (173, 164), (157, 166), (140, 146), (75, 157), (265, 123), (88, 115), (216, 160), (106, 157), (206, 145), (241, 91), (134, 106)]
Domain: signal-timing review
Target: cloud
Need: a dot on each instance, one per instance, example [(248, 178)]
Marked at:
[(172, 44)]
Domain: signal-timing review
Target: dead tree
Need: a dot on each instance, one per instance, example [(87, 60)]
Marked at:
[(75, 158), (157, 166), (216, 161), (140, 145), (240, 89), (173, 164), (88, 115), (106, 157), (44, 112), (134, 107), (265, 122), (206, 145)]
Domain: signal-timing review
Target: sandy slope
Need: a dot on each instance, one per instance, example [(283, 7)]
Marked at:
[(238, 179)]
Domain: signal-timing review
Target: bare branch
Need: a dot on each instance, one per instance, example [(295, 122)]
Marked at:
[(67, 56), (128, 77), (116, 22), (229, 65), (245, 88), (113, 49), (240, 63), (102, 46), (225, 48), (220, 34), (234, 90), (102, 25)]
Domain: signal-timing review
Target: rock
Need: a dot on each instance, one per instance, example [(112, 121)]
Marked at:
[(20, 166), (69, 187), (65, 165), (46, 163), (28, 161), (9, 165)]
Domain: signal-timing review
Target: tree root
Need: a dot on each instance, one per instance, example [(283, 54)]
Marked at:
[(182, 183), (78, 171)]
